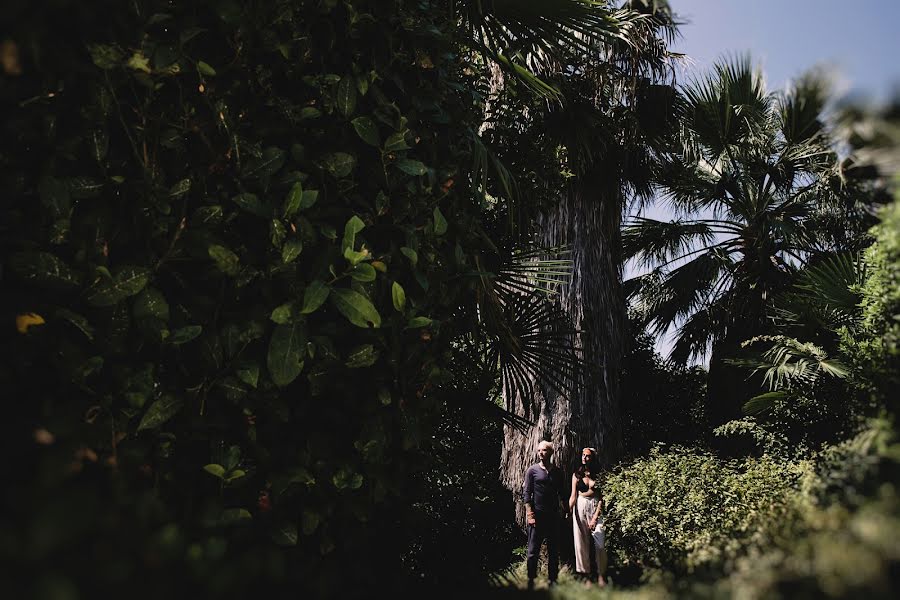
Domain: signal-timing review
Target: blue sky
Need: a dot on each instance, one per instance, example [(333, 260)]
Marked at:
[(857, 41)]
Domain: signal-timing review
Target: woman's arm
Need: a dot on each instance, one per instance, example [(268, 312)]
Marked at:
[(574, 495), (597, 511)]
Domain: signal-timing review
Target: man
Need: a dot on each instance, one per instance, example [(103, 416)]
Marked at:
[(545, 500)]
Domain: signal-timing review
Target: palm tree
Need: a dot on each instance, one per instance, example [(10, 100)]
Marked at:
[(752, 180), (601, 131)]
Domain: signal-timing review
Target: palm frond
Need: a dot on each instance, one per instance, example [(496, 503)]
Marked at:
[(535, 346), (800, 108), (788, 362), (524, 35), (531, 340), (695, 335), (536, 269), (834, 283), (683, 290), (763, 402), (654, 241), (729, 107)]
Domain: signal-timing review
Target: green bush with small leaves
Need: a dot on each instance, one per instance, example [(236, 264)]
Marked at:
[(237, 240), (687, 511)]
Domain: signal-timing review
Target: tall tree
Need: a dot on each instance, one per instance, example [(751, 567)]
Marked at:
[(757, 192), (598, 142)]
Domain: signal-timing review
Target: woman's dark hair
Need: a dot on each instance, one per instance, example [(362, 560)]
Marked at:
[(593, 465)]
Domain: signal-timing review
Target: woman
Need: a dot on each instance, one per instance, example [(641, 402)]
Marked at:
[(586, 503)]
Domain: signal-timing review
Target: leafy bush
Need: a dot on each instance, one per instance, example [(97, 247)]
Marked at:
[(876, 353), (687, 511), (760, 527), (236, 241)]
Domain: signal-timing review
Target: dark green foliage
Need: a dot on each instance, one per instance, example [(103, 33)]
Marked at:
[(876, 354), (763, 527), (661, 402), (212, 207)]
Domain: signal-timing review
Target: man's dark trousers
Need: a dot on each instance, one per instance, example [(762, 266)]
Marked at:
[(546, 527)]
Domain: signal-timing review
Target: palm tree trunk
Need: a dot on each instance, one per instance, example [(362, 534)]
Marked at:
[(589, 220)]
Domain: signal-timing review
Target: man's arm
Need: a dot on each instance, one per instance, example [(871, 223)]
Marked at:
[(563, 493), (528, 496)]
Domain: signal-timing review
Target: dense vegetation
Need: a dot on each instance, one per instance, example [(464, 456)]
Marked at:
[(284, 282)]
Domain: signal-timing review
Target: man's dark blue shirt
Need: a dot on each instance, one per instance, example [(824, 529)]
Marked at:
[(543, 490)]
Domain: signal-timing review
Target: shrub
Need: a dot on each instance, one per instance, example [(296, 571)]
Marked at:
[(687, 511), (233, 243)]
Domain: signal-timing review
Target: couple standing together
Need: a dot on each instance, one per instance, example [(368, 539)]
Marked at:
[(544, 496)]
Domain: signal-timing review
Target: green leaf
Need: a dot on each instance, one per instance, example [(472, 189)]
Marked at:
[(285, 357), (328, 231), (339, 164), (367, 130), (44, 269), (310, 112), (291, 250), (347, 478), (232, 457), (277, 233), (440, 223), (209, 215), (233, 389), (184, 335), (251, 204), (235, 515), (215, 470), (160, 411), (249, 374), (362, 356), (346, 96), (54, 195), (354, 258), (84, 187), (398, 295), (139, 62), (127, 282), (382, 203), (235, 475), (268, 164), (105, 57), (292, 202), (395, 142), (180, 189), (296, 475), (314, 295), (205, 69), (356, 307), (309, 521), (309, 198), (384, 396), (150, 303), (227, 261), (417, 322), (99, 144), (410, 254), (411, 167), (285, 535), (362, 84), (283, 313), (363, 272), (80, 322), (353, 226), (762, 402)]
